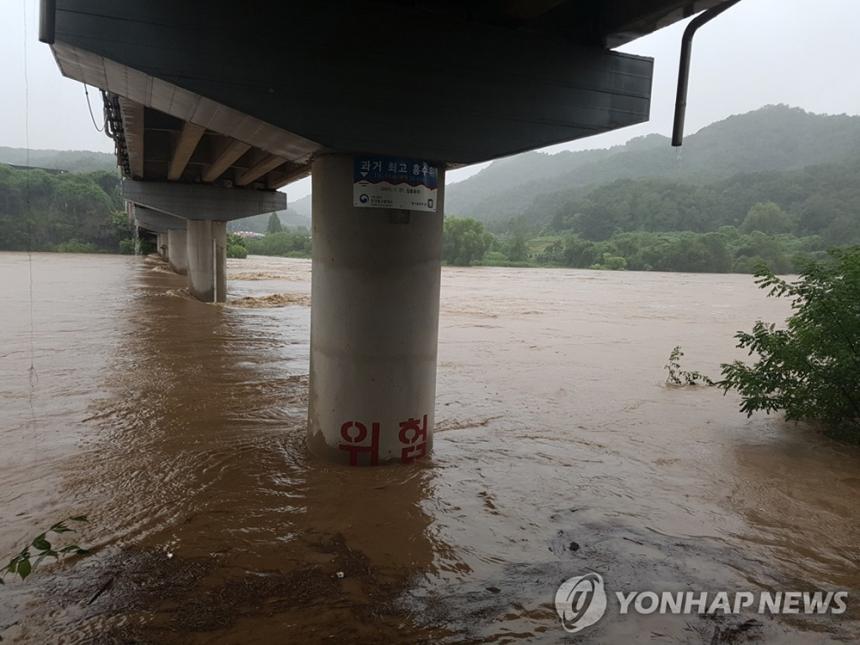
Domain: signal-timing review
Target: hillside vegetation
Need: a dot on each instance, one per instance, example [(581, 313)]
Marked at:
[(762, 143), (774, 187), (80, 212)]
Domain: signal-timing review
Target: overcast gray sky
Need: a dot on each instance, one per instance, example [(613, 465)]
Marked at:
[(801, 52)]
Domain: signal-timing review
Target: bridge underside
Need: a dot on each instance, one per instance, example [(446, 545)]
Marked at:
[(209, 93), (214, 106)]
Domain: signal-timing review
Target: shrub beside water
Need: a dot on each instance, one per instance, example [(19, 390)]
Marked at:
[(75, 246), (236, 247), (811, 368), (290, 243)]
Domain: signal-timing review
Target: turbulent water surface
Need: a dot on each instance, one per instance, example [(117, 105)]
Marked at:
[(179, 429)]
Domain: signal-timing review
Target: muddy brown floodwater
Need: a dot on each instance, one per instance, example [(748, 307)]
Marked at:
[(179, 428)]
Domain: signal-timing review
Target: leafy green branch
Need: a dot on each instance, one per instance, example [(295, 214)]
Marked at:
[(41, 548), (678, 376)]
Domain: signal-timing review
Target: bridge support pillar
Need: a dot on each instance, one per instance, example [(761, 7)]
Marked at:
[(374, 323), (207, 259), (177, 251)]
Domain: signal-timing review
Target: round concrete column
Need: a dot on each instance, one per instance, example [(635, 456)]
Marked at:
[(207, 259), (177, 250), (374, 323)]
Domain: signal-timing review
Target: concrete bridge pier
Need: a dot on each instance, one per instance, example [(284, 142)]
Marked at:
[(161, 244), (207, 259), (374, 323), (177, 251)]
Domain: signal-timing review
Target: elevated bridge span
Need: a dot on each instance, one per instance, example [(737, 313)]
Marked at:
[(214, 106)]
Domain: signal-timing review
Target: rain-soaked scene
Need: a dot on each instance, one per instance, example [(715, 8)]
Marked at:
[(276, 371), (559, 449)]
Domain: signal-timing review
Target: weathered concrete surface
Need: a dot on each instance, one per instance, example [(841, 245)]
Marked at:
[(374, 323), (177, 250), (207, 259), (203, 202)]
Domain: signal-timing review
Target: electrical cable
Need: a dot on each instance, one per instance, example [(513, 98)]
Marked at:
[(90, 107)]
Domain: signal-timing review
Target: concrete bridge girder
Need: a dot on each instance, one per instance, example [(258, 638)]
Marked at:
[(156, 221), (200, 201)]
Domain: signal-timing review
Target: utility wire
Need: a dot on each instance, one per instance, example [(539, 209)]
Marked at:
[(28, 215), (34, 379)]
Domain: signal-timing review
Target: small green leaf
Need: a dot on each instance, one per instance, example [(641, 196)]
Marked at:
[(79, 518), (83, 552), (24, 569), (41, 543)]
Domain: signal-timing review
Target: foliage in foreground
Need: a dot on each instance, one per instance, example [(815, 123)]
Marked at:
[(40, 548), (810, 369)]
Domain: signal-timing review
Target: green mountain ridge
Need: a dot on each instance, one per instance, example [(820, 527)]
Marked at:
[(77, 161), (773, 138)]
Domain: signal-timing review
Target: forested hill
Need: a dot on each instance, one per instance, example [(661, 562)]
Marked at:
[(69, 160), (44, 211), (773, 138)]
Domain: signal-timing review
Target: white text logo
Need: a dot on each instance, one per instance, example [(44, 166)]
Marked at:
[(580, 601)]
